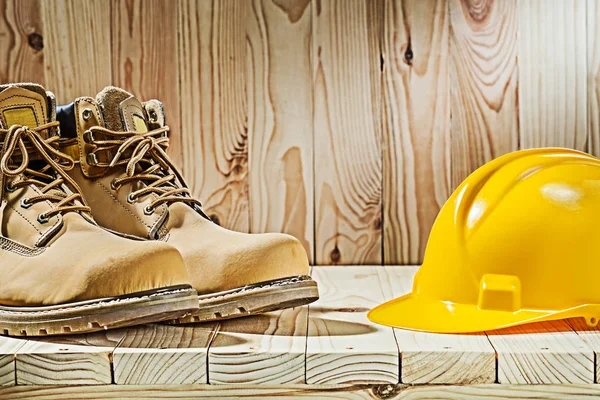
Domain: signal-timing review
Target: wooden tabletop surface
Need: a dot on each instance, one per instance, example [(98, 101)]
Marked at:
[(329, 344)]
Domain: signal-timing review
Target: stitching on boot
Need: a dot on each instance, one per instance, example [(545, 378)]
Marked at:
[(22, 105), (17, 248), (26, 219), (95, 304), (121, 204), (83, 165), (251, 288), (50, 205)]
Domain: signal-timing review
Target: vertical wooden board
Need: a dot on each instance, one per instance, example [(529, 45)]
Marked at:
[(8, 347), (416, 156), (68, 360), (77, 47), (260, 350), (431, 358), (144, 55), (593, 76), (163, 355), (542, 353), (483, 58), (214, 115), (343, 346), (21, 42), (280, 119), (347, 131), (552, 73), (591, 336)]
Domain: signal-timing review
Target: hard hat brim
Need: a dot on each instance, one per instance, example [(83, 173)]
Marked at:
[(420, 313)]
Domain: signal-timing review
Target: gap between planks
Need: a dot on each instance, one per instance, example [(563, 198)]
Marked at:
[(330, 342)]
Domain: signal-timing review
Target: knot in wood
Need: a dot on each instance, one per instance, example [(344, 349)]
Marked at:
[(36, 41)]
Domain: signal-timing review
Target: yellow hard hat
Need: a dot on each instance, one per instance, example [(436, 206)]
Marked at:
[(517, 242)]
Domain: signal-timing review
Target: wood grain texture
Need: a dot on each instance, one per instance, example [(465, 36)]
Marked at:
[(260, 350), (163, 355), (593, 76), (552, 73), (144, 55), (214, 111), (22, 42), (77, 47), (483, 65), (416, 156), (8, 348), (68, 360), (591, 337), (542, 353), (325, 392), (343, 345), (280, 129), (347, 131), (430, 358)]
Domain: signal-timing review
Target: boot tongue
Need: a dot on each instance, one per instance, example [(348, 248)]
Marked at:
[(26, 104), (121, 111)]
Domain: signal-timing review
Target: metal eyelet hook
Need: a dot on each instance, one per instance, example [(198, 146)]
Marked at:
[(88, 137), (131, 199), (42, 219), (153, 116), (148, 210)]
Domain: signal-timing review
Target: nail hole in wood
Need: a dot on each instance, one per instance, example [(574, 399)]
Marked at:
[(408, 54)]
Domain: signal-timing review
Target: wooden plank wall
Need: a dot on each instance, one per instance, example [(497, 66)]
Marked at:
[(346, 123)]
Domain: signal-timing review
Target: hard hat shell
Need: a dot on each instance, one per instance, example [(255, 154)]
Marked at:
[(518, 241)]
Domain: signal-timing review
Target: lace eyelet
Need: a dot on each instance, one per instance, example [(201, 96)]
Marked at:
[(131, 199), (42, 219), (148, 210), (9, 188), (86, 114), (25, 203), (114, 186)]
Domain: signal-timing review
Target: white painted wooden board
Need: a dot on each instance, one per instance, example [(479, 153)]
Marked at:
[(343, 346), (546, 352), (8, 348), (67, 360), (261, 349), (437, 358), (161, 354)]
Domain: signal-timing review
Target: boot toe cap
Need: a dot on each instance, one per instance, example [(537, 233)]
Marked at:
[(263, 257), (144, 266)]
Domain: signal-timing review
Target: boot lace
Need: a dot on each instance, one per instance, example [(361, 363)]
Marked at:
[(145, 159), (48, 178)]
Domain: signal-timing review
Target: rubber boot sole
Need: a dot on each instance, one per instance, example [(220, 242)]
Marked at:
[(99, 314), (254, 299)]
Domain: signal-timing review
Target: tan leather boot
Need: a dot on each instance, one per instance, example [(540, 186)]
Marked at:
[(134, 189), (59, 271)]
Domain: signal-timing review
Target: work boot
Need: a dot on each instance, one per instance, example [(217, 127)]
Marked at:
[(134, 189), (59, 271)]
